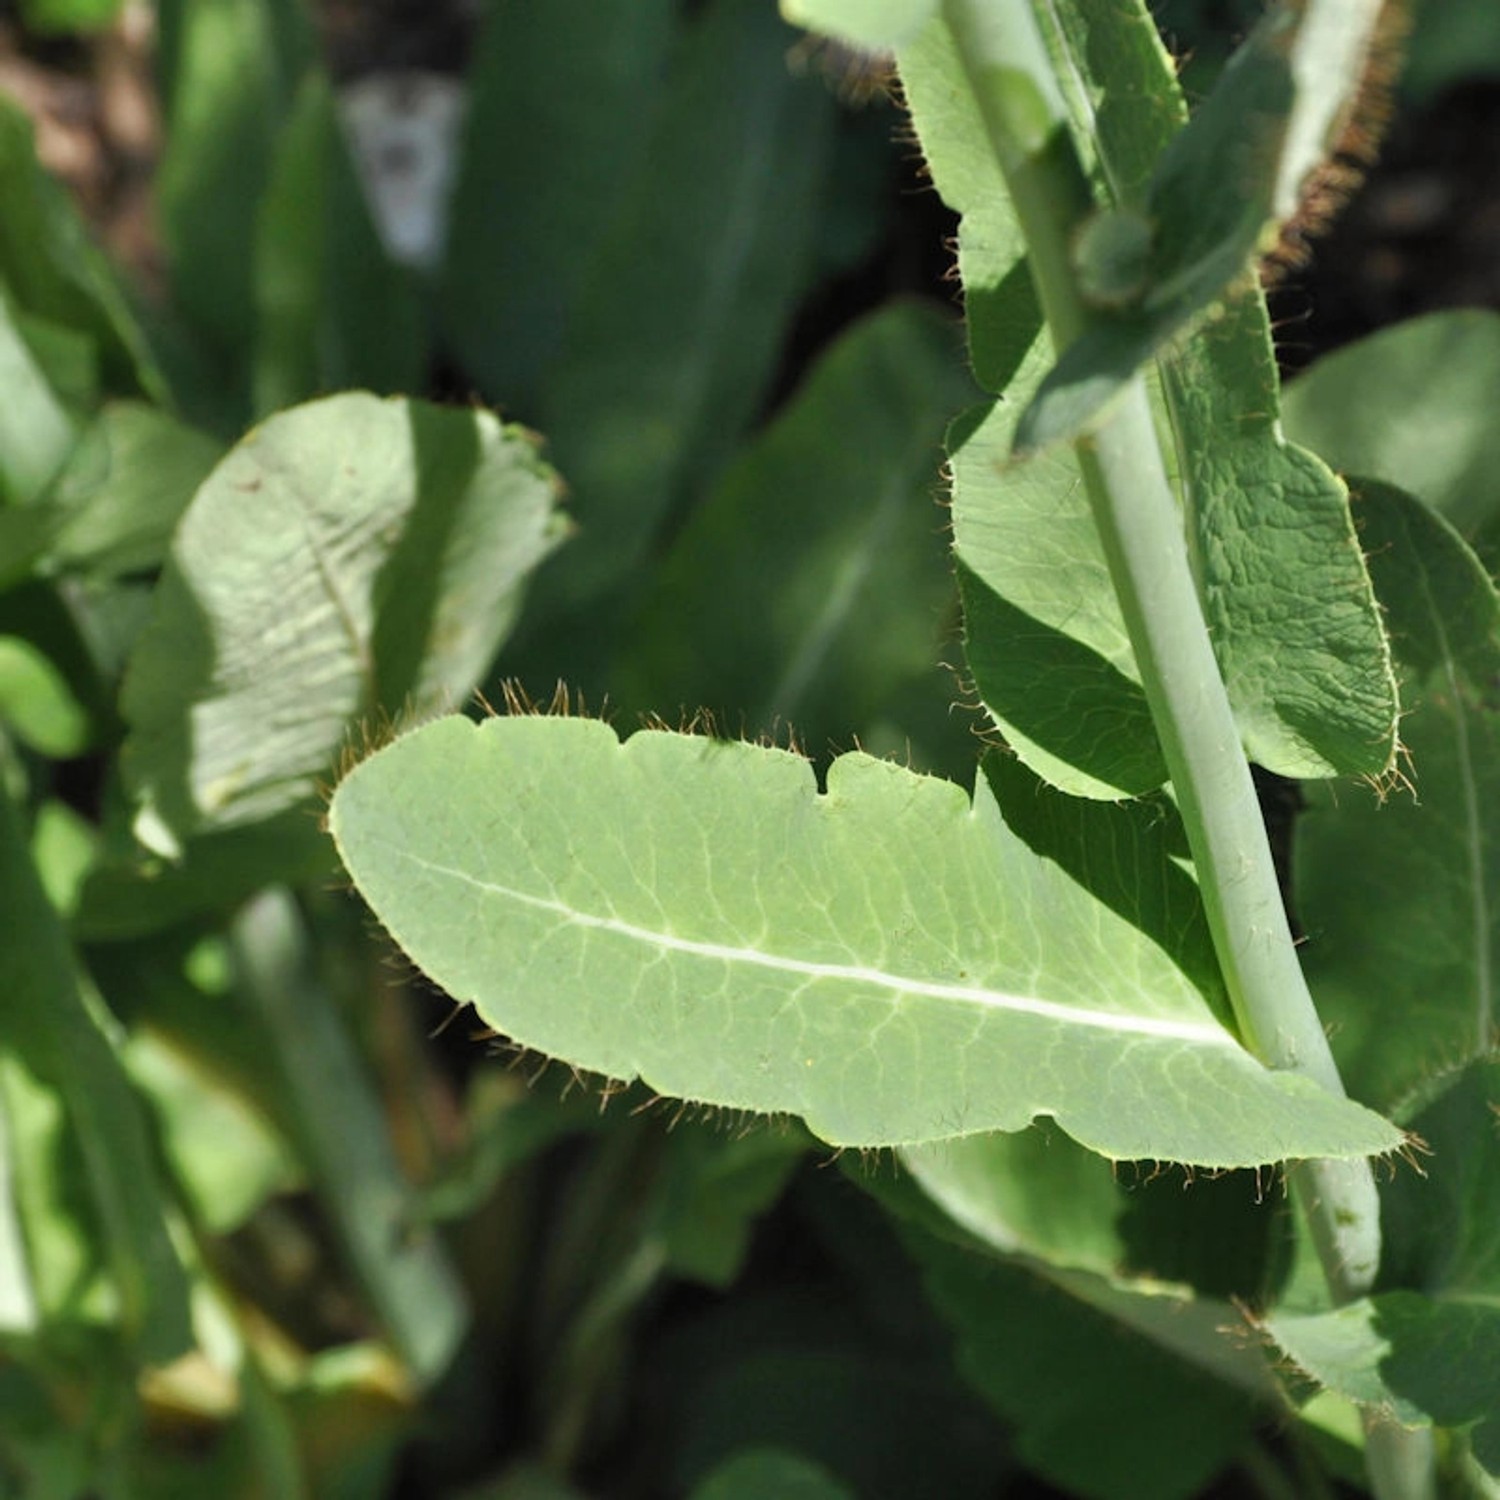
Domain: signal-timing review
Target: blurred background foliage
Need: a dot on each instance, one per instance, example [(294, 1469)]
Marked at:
[(268, 1225)]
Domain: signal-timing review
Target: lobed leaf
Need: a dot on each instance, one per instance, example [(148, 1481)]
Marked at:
[(887, 960), (348, 556)]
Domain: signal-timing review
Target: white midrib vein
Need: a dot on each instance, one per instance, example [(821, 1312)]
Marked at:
[(1198, 1033)]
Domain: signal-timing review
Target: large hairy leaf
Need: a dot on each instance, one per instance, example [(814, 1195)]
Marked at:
[(349, 556), (886, 960)]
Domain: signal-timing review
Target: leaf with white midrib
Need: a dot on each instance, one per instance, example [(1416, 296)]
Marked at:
[(886, 960)]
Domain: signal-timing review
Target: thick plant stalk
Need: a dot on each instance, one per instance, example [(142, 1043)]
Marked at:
[(1140, 526)]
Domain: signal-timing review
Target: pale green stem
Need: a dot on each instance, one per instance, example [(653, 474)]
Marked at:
[(1141, 528)]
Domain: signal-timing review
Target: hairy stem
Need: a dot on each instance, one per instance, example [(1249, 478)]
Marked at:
[(1141, 528)]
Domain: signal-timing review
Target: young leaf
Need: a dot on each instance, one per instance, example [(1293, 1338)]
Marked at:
[(349, 555), (1398, 899), (1220, 190), (880, 24), (886, 960)]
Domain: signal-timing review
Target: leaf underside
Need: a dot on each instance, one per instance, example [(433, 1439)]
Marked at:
[(887, 960)]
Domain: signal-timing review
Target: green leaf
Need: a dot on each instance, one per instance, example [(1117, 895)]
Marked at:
[(848, 530), (53, 272), (331, 309), (755, 1473), (1056, 1366), (1397, 899), (1219, 193), (289, 269), (1125, 100), (1438, 1224), (1290, 606), (1000, 307), (19, 1310), (228, 80), (881, 25), (578, 82), (713, 1191), (131, 891), (124, 488), (1146, 1250), (921, 975), (48, 1035), (1411, 405), (337, 1121), (680, 316), (1417, 1360), (347, 556), (226, 1158), (1043, 634), (36, 703), (37, 431), (69, 15), (1285, 589)]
